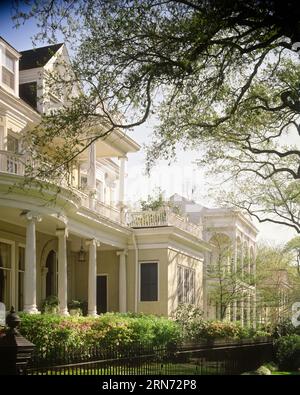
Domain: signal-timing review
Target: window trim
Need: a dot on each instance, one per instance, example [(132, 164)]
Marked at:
[(9, 55), (12, 268), (158, 281)]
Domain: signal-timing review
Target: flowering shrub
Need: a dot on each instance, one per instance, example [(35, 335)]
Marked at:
[(52, 333)]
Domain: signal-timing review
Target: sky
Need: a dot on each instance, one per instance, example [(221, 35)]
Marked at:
[(182, 176)]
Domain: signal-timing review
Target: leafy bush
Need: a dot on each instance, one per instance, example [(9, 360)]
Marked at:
[(271, 366), (284, 328), (288, 352), (195, 328), (50, 304), (219, 330), (53, 334), (263, 371), (74, 304), (190, 319)]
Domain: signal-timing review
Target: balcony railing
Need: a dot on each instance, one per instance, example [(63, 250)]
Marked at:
[(15, 164), (12, 163), (163, 217)]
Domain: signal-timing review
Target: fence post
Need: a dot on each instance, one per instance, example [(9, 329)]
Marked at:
[(15, 350)]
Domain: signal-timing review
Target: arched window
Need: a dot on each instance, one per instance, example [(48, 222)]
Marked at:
[(51, 276)]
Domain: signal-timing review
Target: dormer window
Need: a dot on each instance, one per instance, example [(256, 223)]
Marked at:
[(8, 70)]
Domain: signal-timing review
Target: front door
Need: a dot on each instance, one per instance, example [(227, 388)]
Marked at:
[(101, 294)]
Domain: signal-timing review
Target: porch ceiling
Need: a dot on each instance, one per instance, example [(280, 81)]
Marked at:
[(75, 242), (47, 225)]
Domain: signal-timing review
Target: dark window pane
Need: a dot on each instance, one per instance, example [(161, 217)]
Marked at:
[(149, 282)]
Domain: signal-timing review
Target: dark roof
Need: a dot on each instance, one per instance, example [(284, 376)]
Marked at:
[(37, 57), (28, 92)]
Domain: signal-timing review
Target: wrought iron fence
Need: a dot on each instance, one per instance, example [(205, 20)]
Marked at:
[(214, 359)]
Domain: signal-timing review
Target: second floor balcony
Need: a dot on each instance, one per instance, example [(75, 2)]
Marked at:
[(161, 218), (12, 163), (15, 164)]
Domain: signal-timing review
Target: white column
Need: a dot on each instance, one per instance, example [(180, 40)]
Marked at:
[(92, 284), (248, 310), (254, 311), (30, 264), (92, 175), (122, 282), (62, 293), (235, 252), (242, 310), (122, 176)]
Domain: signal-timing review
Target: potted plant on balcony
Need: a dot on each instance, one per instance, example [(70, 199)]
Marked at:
[(50, 304), (75, 307)]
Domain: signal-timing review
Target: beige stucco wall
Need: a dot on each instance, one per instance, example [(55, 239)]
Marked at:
[(177, 258), (168, 260), (152, 255), (107, 264)]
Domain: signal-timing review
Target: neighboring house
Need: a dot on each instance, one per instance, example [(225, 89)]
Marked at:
[(273, 297), (83, 246), (237, 234)]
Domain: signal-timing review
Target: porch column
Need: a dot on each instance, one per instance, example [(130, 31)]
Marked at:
[(248, 310), (254, 311), (92, 175), (30, 264), (242, 311), (122, 176), (92, 284), (234, 268), (122, 282), (62, 293)]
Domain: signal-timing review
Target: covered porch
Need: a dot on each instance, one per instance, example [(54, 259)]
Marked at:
[(43, 253)]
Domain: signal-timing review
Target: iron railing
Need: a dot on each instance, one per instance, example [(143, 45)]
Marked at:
[(206, 359)]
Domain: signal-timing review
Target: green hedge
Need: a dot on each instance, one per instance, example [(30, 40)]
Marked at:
[(52, 333), (288, 352)]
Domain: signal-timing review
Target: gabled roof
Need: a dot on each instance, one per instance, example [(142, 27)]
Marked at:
[(10, 46), (37, 57)]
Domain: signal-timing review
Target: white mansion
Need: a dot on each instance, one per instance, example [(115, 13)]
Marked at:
[(83, 247)]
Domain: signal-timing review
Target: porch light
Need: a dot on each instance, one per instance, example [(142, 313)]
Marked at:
[(81, 254)]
